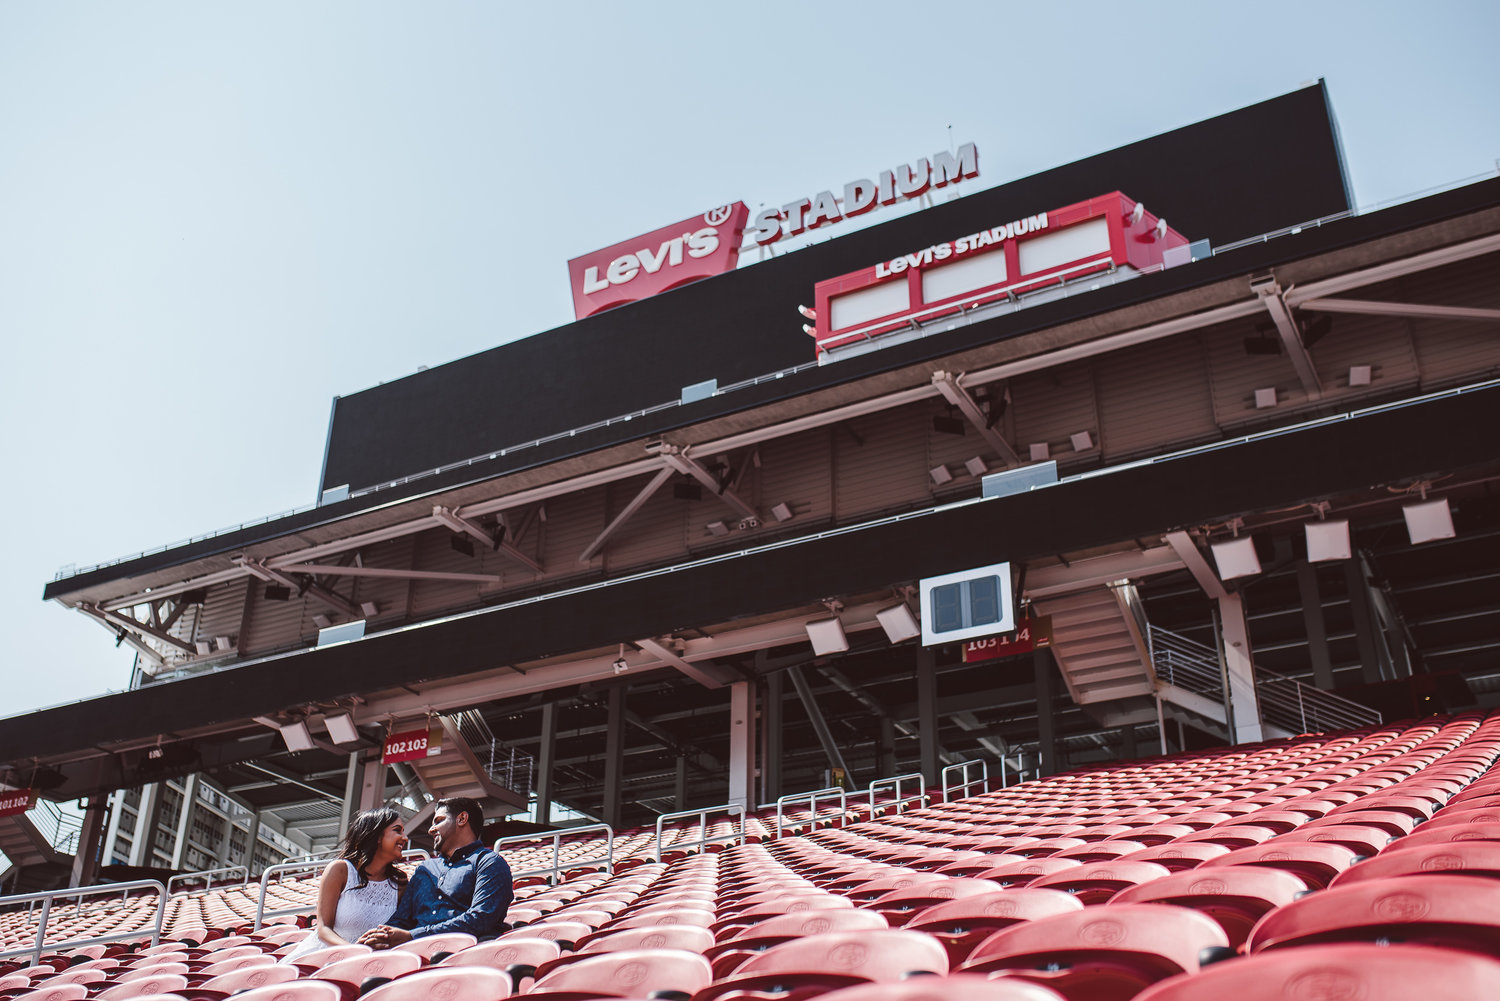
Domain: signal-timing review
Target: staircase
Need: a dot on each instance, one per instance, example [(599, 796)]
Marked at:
[(1099, 642), (1189, 676), (500, 783), (31, 851)]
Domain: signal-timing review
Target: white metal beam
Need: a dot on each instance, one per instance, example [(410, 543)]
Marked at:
[(705, 674), (1187, 551), (1081, 575), (1296, 296), (1291, 337), (1375, 308), (342, 571), (495, 541), (662, 475), (142, 629), (947, 384), (125, 636), (679, 460)]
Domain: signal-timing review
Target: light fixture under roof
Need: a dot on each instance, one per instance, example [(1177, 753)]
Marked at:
[(940, 475), (782, 512), (976, 466), (899, 623), (341, 728), (1082, 441), (1265, 399), (296, 736), (1327, 540), (1039, 450), (1359, 375), (1429, 521), (1236, 558), (827, 636)]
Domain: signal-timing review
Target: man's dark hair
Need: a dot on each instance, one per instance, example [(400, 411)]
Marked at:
[(455, 805)]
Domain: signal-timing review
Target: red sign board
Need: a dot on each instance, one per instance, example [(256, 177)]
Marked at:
[(410, 745), (1030, 633), (13, 801), (1004, 262), (700, 247)]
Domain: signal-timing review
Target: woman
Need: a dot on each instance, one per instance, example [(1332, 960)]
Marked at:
[(359, 889)]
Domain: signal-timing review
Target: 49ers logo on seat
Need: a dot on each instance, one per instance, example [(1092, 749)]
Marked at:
[(700, 247)]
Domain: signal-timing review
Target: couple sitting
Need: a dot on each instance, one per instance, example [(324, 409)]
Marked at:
[(363, 897)]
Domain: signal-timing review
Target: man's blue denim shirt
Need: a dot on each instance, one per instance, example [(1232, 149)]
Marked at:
[(469, 891)]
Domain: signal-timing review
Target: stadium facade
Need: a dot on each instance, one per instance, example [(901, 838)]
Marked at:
[(1230, 439)]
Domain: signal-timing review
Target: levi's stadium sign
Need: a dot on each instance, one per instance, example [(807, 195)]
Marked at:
[(13, 801), (700, 247)]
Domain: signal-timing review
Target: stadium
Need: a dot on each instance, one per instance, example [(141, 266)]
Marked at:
[(1082, 587)]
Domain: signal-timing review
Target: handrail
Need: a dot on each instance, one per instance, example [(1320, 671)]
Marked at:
[(895, 782), (967, 783), (284, 867), (207, 876), (557, 868), (48, 896), (812, 802), (702, 815)]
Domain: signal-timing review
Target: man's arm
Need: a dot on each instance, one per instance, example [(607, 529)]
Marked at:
[(492, 897)]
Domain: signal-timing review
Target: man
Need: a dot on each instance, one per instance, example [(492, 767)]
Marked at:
[(466, 887)]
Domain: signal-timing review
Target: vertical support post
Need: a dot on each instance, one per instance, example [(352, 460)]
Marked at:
[(1161, 725), (1046, 731), (614, 756), (1317, 628), (1364, 622), (546, 764), (819, 724), (771, 718), (371, 783), (741, 745), (112, 836), (147, 816), (1128, 749), (86, 856), (252, 838), (185, 821), (1239, 671), (680, 790), (351, 792), (927, 716), (886, 751)]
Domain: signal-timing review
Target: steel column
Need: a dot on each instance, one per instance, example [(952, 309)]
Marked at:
[(1317, 628), (927, 716), (1046, 733), (546, 764), (1239, 672), (614, 756)]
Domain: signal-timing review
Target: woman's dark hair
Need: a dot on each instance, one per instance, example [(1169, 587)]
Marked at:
[(362, 841)]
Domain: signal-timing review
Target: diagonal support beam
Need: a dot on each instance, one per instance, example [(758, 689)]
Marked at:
[(496, 541), (819, 724), (953, 391), (140, 628), (342, 571), (662, 475), (317, 591), (125, 635), (1291, 337), (1374, 308), (1187, 551), (679, 461), (706, 675)]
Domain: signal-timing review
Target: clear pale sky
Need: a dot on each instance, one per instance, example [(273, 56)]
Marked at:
[(216, 217)]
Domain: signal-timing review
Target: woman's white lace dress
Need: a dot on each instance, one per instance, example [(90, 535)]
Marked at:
[(360, 908)]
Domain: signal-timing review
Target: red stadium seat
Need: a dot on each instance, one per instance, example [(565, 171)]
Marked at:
[(461, 983), (1176, 856), (815, 964), (1457, 912), (1445, 835), (355, 970), (164, 983), (1463, 858), (249, 977), (959, 987), (1354, 972), (962, 924), (1097, 882), (1102, 953), (1315, 862), (634, 973), (58, 992), (899, 905), (1235, 896), (430, 945), (733, 951)]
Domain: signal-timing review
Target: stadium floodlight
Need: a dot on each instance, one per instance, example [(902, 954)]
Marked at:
[(1327, 540), (1236, 558), (1429, 521), (341, 728), (296, 735), (899, 623), (827, 636)]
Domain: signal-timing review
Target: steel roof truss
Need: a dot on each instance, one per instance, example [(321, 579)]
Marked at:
[(1291, 336), (639, 501), (954, 392), (1374, 308)]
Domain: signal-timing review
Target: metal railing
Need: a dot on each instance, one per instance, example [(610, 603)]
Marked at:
[(60, 829), (47, 898), (508, 767), (731, 809), (965, 783), (811, 799), (605, 862), (305, 866), (207, 876), (895, 782), (1285, 703)]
